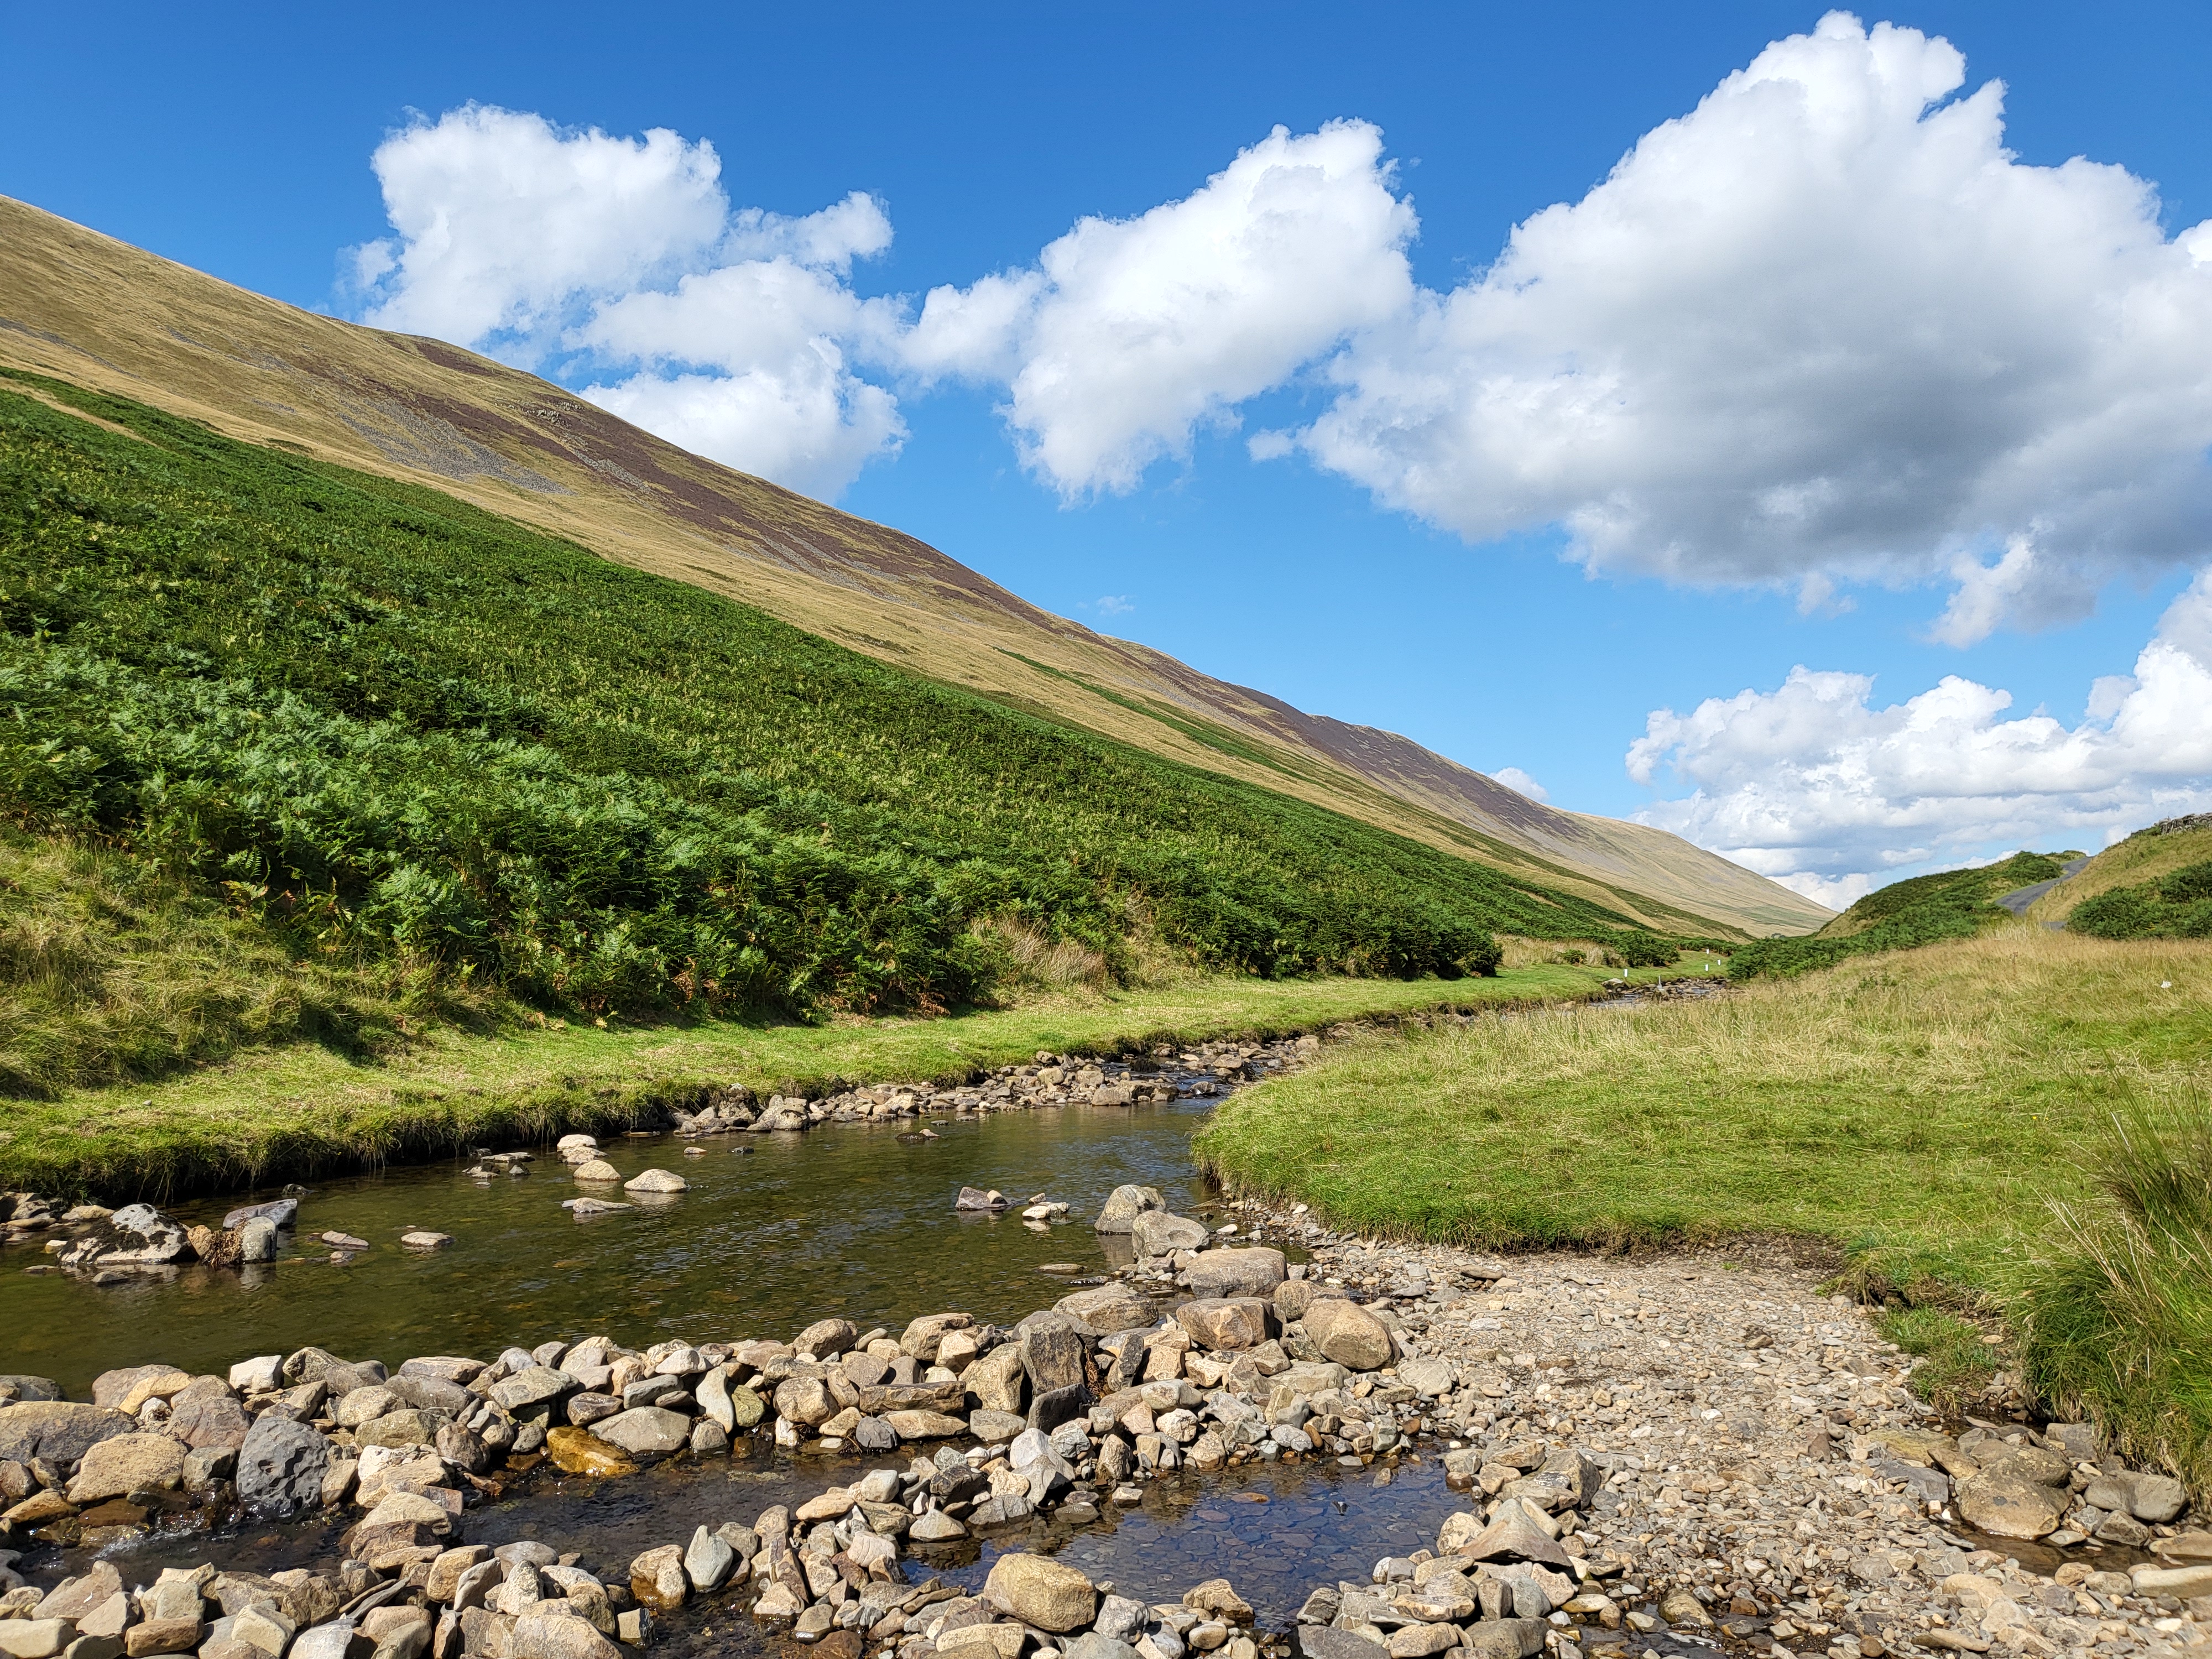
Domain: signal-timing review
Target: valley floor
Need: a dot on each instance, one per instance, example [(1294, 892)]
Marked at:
[(269, 1113), (1970, 1127)]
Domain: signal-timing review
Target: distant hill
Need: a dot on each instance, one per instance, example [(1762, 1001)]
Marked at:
[(84, 308), (1949, 904)]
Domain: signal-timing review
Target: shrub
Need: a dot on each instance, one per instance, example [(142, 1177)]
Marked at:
[(2179, 906)]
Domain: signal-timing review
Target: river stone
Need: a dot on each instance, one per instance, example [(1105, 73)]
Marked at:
[(1513, 1536), (75, 1598), (977, 1198), (707, 1561), (1253, 1271), (1294, 1296), (925, 1426), (580, 1452), (1155, 1232), (805, 1400), (281, 1465), (534, 1386), (656, 1181), (126, 1463), (1504, 1638), (551, 1630), (1051, 1351), (935, 1527), (1431, 1379), (1233, 1322), (35, 1638), (127, 1389), (364, 1405), (2034, 1464), (257, 1241), (597, 1170), (656, 1578), (59, 1431), (278, 1212), (994, 1428), (1107, 1307), (825, 1336), (2154, 1498), (2182, 1583), (924, 1336), (1091, 1646), (2007, 1506), (407, 1428), (1124, 1205), (445, 1367), (1040, 1591), (31, 1388), (646, 1431), (1349, 1334), (996, 1381), (422, 1238), (746, 1410), (713, 1394)]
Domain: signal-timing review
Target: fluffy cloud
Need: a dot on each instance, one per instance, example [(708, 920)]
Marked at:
[(739, 331), (1814, 784), (1128, 335), (1824, 325)]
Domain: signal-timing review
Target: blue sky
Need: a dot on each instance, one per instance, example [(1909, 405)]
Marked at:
[(240, 142)]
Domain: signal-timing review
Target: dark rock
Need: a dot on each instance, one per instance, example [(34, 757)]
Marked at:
[(281, 1465)]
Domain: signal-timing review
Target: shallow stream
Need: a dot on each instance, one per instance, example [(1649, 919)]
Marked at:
[(776, 1231)]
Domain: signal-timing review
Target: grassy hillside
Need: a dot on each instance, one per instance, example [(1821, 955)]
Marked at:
[(423, 752), (96, 312), (2142, 867), (1951, 904)]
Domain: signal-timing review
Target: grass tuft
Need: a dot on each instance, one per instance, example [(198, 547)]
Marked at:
[(2117, 1322)]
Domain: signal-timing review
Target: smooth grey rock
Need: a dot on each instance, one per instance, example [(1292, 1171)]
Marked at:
[(1326, 1642), (1157, 1232), (646, 1431), (1255, 1270), (1124, 1205), (707, 1561)]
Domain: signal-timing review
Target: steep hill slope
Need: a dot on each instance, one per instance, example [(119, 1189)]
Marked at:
[(85, 308), (345, 753)]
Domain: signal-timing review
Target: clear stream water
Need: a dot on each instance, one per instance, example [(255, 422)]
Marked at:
[(848, 1219), (776, 1231)]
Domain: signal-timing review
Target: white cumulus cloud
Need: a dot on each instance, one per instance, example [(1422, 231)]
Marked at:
[(1813, 784), (1824, 326), (1129, 335), (733, 334)]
